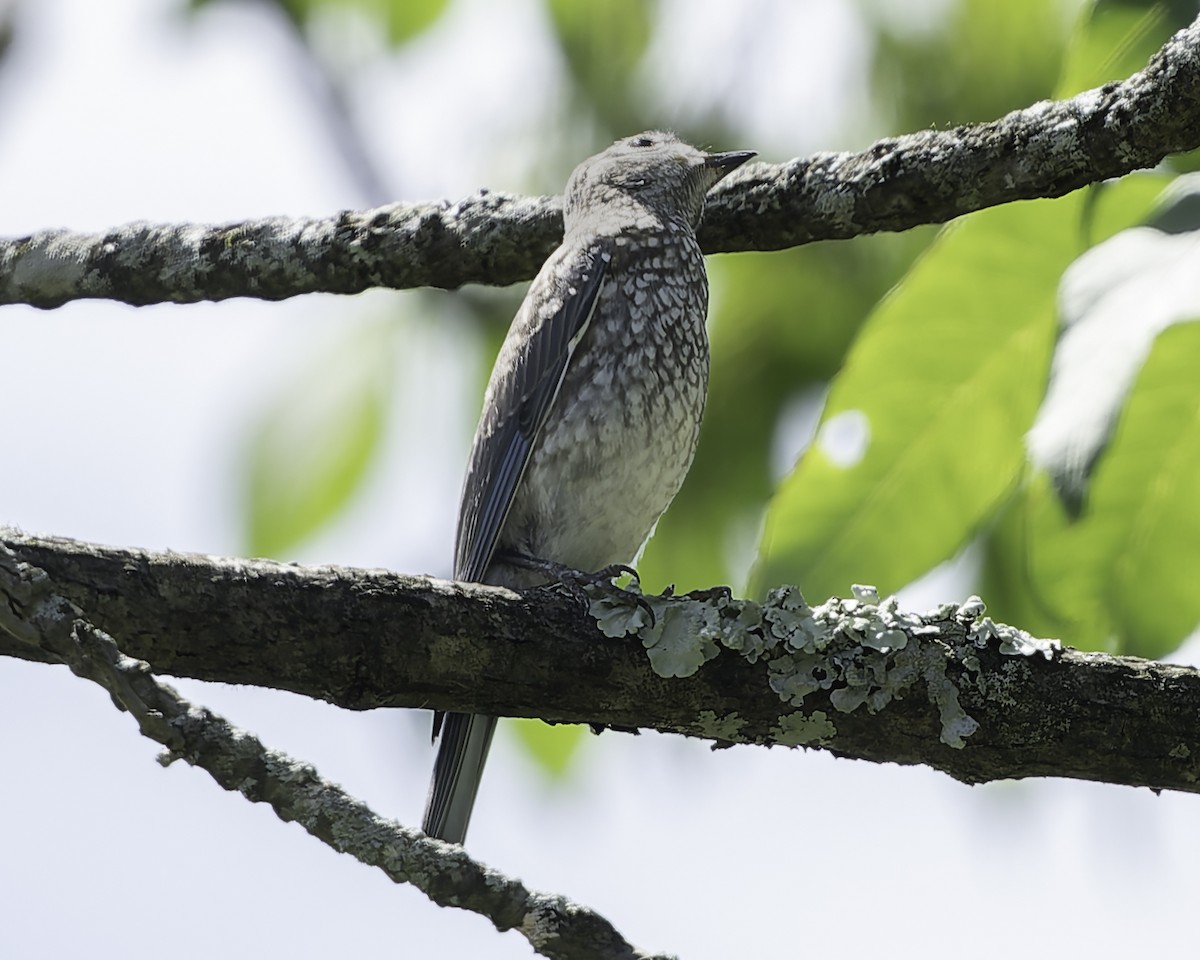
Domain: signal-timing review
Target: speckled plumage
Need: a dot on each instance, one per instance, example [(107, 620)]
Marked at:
[(593, 410), (620, 440)]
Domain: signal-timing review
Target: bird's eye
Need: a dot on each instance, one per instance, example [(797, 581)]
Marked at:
[(641, 142)]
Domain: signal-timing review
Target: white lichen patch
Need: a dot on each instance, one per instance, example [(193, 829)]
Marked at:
[(970, 609), (618, 617), (864, 593), (864, 652), (719, 727), (681, 639), (1012, 641), (541, 922), (863, 658), (799, 729), (744, 632), (956, 722), (790, 621)]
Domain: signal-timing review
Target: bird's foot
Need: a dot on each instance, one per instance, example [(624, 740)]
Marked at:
[(577, 582)]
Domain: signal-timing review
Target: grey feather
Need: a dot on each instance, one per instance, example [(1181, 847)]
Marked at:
[(519, 406)]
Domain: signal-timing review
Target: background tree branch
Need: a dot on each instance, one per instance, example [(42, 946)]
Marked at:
[(364, 639), (1045, 150)]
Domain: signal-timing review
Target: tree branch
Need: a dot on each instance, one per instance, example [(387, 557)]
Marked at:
[(34, 616), (1046, 150), (948, 690)]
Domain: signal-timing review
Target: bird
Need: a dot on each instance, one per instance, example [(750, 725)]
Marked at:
[(593, 409)]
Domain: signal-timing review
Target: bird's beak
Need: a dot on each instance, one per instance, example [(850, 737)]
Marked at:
[(723, 163)]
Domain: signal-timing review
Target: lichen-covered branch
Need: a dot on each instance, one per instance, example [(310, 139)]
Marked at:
[(34, 615), (858, 677), (1045, 150)]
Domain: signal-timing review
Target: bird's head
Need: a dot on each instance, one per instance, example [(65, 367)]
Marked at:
[(650, 175)]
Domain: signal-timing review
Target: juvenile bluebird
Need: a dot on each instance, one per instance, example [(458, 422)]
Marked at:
[(592, 413)]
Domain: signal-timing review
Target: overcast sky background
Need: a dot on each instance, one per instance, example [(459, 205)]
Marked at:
[(125, 426)]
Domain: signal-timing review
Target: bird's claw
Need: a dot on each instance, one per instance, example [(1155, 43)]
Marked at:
[(576, 582)]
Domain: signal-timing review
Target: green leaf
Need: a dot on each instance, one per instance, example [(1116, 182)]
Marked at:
[(1114, 301), (780, 326), (1114, 38), (1086, 581), (922, 437), (402, 20), (551, 746), (1120, 579), (407, 19), (1040, 571), (931, 406), (311, 449), (1144, 502), (603, 44), (1114, 206), (978, 60)]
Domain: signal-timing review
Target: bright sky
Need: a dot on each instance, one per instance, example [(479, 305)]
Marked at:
[(124, 426)]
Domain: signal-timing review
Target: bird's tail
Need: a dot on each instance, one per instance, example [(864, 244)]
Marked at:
[(462, 750)]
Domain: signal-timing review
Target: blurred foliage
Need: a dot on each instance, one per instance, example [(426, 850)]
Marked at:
[(310, 450), (1056, 577), (602, 45), (979, 62), (948, 373), (948, 390), (400, 20), (1119, 577), (780, 322), (8, 26), (552, 747), (1143, 525), (1115, 38), (948, 368)]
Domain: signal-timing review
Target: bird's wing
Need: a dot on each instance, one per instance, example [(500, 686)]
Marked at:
[(528, 375), (565, 295)]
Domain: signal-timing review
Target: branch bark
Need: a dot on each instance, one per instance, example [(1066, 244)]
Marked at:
[(946, 695), (36, 617), (1046, 150)]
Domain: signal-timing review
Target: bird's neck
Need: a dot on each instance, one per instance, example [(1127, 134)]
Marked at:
[(628, 219)]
